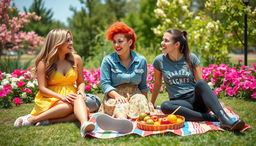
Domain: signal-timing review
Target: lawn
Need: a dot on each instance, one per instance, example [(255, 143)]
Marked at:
[(68, 133)]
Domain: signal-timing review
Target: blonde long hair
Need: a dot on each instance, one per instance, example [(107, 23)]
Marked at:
[(49, 51)]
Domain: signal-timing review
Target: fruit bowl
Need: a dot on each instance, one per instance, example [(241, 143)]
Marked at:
[(149, 127)]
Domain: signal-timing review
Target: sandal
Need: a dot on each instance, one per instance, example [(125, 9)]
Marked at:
[(107, 122), (24, 120), (86, 127)]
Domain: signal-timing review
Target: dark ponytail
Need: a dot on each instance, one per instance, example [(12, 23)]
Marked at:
[(181, 36)]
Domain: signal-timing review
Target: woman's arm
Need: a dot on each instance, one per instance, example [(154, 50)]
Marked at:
[(43, 84), (80, 80), (198, 73), (157, 85)]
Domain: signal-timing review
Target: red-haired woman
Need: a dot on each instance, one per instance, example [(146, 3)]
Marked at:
[(123, 80)]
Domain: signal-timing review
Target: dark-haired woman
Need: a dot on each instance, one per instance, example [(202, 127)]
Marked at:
[(186, 88)]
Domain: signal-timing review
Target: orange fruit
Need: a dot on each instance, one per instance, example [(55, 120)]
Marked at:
[(172, 118), (179, 120)]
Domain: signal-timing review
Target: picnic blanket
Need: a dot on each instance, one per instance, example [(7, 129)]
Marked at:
[(189, 127)]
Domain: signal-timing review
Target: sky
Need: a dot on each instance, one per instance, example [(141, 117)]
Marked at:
[(60, 8)]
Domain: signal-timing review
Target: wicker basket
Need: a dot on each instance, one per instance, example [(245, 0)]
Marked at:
[(148, 127)]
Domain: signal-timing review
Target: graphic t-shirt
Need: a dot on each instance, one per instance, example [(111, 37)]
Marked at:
[(178, 78)]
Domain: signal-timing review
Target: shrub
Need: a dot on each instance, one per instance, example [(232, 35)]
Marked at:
[(238, 81)]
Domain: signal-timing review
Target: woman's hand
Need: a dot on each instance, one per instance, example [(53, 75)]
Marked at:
[(121, 99), (69, 98), (81, 93)]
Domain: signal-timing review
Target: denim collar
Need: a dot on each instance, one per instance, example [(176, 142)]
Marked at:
[(135, 57)]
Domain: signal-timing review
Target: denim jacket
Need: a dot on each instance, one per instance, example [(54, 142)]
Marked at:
[(113, 73)]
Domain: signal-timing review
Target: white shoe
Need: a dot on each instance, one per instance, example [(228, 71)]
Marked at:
[(107, 122), (24, 120), (86, 127)]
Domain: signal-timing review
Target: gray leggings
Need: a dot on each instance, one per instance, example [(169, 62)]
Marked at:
[(195, 105)]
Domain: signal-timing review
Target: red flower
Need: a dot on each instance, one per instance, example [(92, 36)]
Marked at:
[(17, 101), (20, 83), (26, 90), (88, 88)]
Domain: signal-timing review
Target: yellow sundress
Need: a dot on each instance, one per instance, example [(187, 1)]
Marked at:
[(59, 83)]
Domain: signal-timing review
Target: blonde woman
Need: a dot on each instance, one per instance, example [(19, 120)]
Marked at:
[(61, 86)]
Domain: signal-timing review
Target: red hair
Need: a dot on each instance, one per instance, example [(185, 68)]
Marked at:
[(120, 27)]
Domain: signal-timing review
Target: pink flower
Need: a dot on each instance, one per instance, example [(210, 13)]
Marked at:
[(253, 95), (151, 86), (214, 80), (88, 88), (20, 83), (3, 93), (254, 65), (216, 93), (223, 87), (229, 91), (18, 72), (230, 34), (26, 90), (17, 101), (239, 60), (149, 77)]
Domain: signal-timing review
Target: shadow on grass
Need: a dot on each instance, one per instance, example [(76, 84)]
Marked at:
[(239, 133), (250, 99)]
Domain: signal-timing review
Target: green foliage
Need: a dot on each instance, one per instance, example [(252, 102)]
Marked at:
[(101, 49), (9, 63), (90, 21), (6, 102), (117, 6), (46, 22), (230, 13), (142, 21)]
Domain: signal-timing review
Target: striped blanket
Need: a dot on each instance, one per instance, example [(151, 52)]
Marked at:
[(189, 128)]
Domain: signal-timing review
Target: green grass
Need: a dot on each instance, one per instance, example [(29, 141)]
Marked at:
[(250, 59), (68, 133)]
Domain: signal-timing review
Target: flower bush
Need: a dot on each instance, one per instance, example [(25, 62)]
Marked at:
[(238, 81), (92, 80), (17, 87), (11, 35), (150, 80)]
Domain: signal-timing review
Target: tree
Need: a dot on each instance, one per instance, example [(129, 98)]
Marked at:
[(87, 23), (11, 36), (46, 23), (143, 20), (117, 7)]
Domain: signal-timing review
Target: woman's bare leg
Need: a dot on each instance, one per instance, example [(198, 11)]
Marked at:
[(80, 110), (68, 118), (58, 111)]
